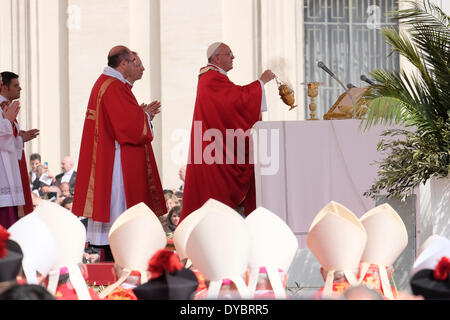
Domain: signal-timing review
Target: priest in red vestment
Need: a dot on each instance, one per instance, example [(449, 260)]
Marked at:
[(117, 168), (219, 165)]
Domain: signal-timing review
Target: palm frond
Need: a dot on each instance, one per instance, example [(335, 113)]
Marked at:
[(419, 101), (385, 110)]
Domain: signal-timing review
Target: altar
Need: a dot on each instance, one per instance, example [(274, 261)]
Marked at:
[(300, 166)]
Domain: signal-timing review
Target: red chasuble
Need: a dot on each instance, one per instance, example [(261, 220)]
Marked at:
[(219, 165), (114, 114)]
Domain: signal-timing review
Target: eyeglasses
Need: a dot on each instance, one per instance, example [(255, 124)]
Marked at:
[(227, 54), (135, 62)]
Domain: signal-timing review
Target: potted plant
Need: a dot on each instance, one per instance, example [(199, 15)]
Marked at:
[(419, 102)]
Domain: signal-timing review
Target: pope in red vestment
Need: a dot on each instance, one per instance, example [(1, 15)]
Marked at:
[(219, 165), (113, 115)]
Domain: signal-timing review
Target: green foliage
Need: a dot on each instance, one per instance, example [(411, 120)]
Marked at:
[(420, 102), (410, 161)]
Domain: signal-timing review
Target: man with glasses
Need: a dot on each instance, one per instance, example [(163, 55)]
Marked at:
[(116, 168), (218, 167), (153, 108)]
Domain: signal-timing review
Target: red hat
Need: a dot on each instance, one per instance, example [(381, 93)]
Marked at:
[(431, 277), (170, 281)]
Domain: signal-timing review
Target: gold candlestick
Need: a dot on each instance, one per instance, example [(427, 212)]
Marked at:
[(313, 92)]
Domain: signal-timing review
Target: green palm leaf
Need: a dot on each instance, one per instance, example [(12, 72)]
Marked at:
[(419, 101)]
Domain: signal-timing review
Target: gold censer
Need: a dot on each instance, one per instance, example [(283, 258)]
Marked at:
[(286, 94)]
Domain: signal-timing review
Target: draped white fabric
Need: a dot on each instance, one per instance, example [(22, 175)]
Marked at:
[(318, 161)]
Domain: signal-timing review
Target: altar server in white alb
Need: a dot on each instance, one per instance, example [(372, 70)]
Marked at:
[(11, 147)]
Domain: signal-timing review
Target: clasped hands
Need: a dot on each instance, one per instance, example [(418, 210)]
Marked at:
[(152, 109), (29, 135), (10, 112)]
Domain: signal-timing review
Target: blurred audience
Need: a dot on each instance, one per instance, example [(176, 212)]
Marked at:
[(35, 161), (68, 174), (67, 203), (172, 219), (171, 202)]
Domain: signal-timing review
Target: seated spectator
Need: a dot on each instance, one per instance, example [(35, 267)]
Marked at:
[(51, 193), (172, 219), (35, 161), (68, 174), (36, 183), (36, 200), (179, 195), (67, 203), (43, 178), (171, 202), (65, 190), (167, 194)]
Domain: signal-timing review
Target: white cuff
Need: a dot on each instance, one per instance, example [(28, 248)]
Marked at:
[(150, 124), (263, 100)]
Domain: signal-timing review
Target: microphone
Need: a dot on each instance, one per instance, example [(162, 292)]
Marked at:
[(365, 79), (350, 86), (321, 65), (324, 67)]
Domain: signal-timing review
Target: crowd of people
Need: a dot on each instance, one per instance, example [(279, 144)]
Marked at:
[(47, 186), (174, 203)]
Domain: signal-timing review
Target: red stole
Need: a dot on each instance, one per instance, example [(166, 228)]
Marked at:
[(114, 114), (221, 106), (28, 206)]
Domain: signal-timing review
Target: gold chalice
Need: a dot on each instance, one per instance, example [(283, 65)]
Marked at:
[(313, 92), (286, 94)]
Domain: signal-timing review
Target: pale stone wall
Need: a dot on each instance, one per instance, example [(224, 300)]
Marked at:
[(59, 48), (187, 28), (34, 45)]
